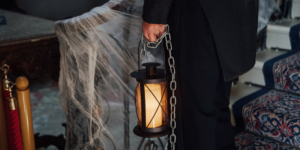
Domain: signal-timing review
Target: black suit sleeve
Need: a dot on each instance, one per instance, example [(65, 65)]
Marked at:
[(156, 11)]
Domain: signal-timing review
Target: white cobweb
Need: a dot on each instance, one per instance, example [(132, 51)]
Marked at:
[(99, 50)]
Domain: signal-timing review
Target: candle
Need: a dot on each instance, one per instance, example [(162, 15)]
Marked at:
[(152, 104)]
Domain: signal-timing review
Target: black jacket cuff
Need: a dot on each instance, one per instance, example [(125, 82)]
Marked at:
[(155, 14)]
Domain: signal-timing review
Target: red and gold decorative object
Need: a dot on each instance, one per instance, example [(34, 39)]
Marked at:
[(12, 116)]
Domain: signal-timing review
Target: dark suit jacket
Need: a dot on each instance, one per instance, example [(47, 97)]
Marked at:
[(233, 24)]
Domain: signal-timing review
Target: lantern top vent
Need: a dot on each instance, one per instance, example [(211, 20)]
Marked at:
[(151, 74), (151, 69)]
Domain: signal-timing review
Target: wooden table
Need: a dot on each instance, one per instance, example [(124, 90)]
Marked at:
[(28, 44)]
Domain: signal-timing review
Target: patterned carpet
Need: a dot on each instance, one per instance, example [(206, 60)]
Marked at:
[(248, 141), (275, 115), (272, 113), (283, 72)]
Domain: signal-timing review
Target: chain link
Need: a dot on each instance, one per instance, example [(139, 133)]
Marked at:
[(173, 86), (143, 53)]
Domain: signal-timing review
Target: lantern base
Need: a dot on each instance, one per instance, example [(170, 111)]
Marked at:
[(152, 133)]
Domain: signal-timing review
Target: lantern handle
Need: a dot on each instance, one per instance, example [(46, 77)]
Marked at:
[(158, 41), (146, 43)]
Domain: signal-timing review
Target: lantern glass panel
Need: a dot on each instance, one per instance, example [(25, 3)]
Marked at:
[(156, 101)]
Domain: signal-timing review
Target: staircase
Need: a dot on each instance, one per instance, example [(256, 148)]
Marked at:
[(269, 119), (296, 9), (278, 33)]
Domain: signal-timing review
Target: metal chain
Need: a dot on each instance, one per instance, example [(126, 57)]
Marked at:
[(173, 87), (171, 61)]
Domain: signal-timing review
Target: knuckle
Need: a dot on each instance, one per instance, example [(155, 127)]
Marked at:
[(148, 30)]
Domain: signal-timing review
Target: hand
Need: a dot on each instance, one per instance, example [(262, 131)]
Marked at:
[(153, 31)]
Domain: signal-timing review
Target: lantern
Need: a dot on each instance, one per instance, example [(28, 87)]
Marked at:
[(151, 97)]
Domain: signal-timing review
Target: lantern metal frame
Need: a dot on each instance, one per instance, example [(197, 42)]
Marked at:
[(143, 78)]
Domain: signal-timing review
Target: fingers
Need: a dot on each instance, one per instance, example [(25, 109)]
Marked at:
[(152, 37), (161, 30), (146, 35), (153, 31)]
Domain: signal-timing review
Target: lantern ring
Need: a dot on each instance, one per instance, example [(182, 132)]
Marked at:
[(173, 124), (173, 108), (173, 100), (143, 54), (173, 83), (173, 76), (169, 46), (174, 138), (172, 65), (173, 92), (173, 116), (167, 29), (172, 69), (168, 38), (171, 59), (170, 52)]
